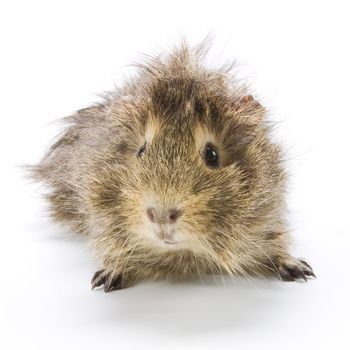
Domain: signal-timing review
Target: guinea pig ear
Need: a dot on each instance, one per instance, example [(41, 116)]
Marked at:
[(250, 110)]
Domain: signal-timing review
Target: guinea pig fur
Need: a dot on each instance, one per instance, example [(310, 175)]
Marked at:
[(173, 175)]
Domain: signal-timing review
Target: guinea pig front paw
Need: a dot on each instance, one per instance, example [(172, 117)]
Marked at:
[(108, 280), (292, 269)]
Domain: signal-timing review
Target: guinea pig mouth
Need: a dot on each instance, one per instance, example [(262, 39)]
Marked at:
[(166, 241), (167, 236)]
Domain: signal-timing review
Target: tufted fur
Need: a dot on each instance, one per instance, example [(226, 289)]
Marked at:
[(232, 217)]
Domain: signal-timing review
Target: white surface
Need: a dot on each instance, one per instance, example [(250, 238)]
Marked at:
[(56, 56)]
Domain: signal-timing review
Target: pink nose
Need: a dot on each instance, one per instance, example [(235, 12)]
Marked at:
[(163, 217)]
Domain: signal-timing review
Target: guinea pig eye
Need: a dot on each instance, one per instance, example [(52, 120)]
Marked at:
[(141, 151), (211, 156)]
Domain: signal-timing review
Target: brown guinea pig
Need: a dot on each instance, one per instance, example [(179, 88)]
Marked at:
[(173, 175)]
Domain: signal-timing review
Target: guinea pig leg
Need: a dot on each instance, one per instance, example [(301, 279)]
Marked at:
[(291, 269), (109, 281)]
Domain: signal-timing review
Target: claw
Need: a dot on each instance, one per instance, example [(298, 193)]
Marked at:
[(97, 279), (295, 269), (110, 282), (113, 284), (310, 273)]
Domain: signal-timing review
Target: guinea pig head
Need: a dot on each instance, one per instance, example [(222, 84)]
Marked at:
[(185, 183)]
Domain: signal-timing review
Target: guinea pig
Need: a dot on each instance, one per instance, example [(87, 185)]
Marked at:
[(174, 175)]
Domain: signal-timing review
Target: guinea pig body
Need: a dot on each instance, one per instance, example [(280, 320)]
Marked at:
[(173, 175)]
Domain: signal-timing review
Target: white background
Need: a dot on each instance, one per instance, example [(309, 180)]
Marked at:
[(56, 56)]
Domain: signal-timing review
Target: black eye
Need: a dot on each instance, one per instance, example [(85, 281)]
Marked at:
[(211, 156), (141, 151)]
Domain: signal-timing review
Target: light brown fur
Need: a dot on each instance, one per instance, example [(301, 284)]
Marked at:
[(232, 217)]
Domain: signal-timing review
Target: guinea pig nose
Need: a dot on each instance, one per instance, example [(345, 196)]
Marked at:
[(152, 214), (163, 217), (172, 215)]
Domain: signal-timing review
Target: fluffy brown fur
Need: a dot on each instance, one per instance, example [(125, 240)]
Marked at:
[(230, 217)]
